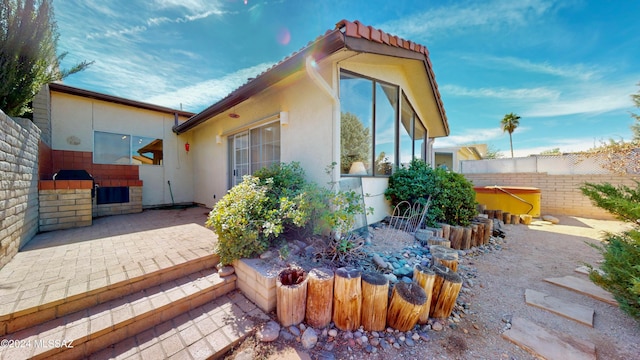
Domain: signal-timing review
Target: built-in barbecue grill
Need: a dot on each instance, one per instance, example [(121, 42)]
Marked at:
[(75, 175)]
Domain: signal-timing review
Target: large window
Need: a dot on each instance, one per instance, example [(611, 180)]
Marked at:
[(113, 148), (368, 115), (378, 131), (252, 150)]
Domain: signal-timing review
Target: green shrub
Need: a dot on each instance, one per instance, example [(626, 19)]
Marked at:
[(621, 270), (621, 252), (452, 195), (247, 221)]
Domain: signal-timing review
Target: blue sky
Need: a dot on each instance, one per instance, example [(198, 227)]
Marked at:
[(567, 67)]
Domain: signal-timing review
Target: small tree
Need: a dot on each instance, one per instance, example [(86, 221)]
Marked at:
[(355, 141), (509, 124), (28, 59), (621, 252), (493, 152)]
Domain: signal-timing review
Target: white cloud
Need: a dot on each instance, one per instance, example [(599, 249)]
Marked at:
[(502, 93), (197, 96), (470, 14), (472, 136), (578, 71)]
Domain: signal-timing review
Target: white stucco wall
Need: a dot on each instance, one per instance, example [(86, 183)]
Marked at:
[(75, 118)]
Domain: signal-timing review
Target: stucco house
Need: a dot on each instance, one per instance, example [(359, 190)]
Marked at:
[(450, 157), (356, 96), (121, 143)]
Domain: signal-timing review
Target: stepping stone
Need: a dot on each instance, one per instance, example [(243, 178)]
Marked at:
[(547, 343), (579, 313), (585, 270), (585, 287)]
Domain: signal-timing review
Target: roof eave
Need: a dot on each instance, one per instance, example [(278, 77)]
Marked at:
[(321, 48), (70, 90)]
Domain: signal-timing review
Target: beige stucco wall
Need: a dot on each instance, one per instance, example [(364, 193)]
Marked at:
[(309, 138), (75, 118)]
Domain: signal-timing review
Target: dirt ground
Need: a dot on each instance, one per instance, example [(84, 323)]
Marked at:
[(528, 255)]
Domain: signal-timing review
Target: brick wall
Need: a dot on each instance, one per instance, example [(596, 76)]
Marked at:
[(18, 184), (65, 204), (560, 194)]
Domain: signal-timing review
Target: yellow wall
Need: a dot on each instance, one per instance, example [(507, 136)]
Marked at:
[(75, 118)]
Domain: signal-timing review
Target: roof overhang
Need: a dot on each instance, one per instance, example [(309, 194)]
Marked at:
[(352, 36), (70, 90)]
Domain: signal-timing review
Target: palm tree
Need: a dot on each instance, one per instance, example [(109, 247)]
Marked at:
[(509, 123)]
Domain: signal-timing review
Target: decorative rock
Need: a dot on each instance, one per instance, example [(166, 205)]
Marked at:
[(326, 355), (333, 332), (396, 345), (436, 326), (379, 261), (268, 332), (226, 271), (302, 327), (294, 330), (392, 278), (409, 342), (370, 349), (415, 336), (551, 219), (374, 341), (309, 338), (385, 345), (266, 255), (286, 335)]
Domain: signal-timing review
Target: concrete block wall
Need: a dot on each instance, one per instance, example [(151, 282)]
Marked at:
[(42, 113), (65, 204), (257, 281), (133, 206), (18, 184), (560, 194)]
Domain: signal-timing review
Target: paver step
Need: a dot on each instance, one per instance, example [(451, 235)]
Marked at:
[(206, 332), (583, 287), (99, 326), (56, 302)]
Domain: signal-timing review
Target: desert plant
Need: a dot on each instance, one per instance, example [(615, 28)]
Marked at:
[(247, 221), (621, 252), (452, 196)]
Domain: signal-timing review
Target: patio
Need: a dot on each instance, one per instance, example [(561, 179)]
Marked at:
[(158, 262)]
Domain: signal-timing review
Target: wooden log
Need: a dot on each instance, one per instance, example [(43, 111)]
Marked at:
[(498, 214), (436, 231), (375, 298), (481, 208), (515, 219), (291, 296), (319, 297), (347, 299), (488, 230), (446, 230), (423, 235), (474, 234), (447, 260), (490, 213), (407, 302), (439, 241), (437, 249), (455, 237), (466, 238), (445, 291), (526, 219), (425, 277), (506, 217)]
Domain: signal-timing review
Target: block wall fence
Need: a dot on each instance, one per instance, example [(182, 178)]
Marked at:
[(19, 140), (560, 194)]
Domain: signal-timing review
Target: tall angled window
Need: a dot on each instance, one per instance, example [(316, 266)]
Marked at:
[(367, 130)]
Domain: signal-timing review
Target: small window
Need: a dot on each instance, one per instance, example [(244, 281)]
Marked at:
[(125, 149)]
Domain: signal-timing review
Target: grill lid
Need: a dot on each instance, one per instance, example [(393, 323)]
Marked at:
[(72, 175)]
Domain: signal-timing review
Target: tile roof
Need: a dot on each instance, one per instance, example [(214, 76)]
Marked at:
[(323, 46)]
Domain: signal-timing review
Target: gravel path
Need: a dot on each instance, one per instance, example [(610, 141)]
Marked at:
[(494, 295)]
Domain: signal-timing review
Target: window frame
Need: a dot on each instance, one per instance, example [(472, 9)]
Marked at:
[(231, 150), (130, 137), (421, 153)]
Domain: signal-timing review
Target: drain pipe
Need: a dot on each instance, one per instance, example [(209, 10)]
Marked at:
[(311, 68)]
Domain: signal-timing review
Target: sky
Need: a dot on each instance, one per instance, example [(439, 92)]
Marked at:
[(568, 68)]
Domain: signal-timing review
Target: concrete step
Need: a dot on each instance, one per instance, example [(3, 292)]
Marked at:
[(56, 302), (94, 327), (206, 332)]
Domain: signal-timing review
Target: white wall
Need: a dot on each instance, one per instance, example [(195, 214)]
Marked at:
[(75, 118)]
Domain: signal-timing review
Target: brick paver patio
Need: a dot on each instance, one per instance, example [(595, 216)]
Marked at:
[(63, 263)]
